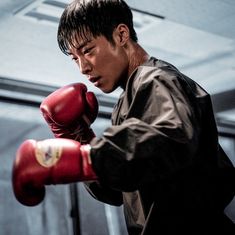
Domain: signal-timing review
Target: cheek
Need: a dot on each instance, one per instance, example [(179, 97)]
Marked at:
[(111, 61), (104, 60), (113, 68), (107, 63), (118, 56)]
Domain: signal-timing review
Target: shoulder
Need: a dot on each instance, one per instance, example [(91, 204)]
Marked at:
[(152, 73), (155, 73)]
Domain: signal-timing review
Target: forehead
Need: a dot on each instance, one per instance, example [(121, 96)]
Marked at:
[(78, 42), (81, 38), (77, 37)]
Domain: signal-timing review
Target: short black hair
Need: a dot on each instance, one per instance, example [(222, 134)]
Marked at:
[(97, 17)]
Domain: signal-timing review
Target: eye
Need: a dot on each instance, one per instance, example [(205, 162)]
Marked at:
[(74, 58), (87, 50)]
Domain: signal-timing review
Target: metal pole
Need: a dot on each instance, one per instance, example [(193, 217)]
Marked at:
[(75, 208)]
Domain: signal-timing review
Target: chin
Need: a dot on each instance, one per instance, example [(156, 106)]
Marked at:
[(107, 90)]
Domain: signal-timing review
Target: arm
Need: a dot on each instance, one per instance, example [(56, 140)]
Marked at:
[(157, 138), (104, 193), (69, 112)]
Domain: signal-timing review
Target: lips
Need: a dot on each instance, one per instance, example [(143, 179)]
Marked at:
[(94, 79)]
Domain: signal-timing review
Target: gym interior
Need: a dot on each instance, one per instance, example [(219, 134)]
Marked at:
[(198, 37)]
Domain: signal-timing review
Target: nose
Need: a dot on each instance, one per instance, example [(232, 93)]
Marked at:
[(84, 66)]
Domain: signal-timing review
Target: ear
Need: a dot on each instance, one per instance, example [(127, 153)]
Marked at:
[(121, 34)]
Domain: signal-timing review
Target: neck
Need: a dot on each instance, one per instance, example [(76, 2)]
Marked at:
[(137, 56)]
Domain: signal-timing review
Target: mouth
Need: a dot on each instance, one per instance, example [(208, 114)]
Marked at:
[(94, 79)]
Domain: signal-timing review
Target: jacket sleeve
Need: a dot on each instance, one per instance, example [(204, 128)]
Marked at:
[(157, 138), (104, 193)]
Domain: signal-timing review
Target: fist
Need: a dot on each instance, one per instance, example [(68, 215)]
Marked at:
[(51, 161), (69, 111)]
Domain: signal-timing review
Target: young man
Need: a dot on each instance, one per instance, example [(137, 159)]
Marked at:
[(160, 158)]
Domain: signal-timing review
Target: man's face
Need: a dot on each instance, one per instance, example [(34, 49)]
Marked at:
[(105, 64)]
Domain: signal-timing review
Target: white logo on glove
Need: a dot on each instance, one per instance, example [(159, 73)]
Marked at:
[(47, 154)]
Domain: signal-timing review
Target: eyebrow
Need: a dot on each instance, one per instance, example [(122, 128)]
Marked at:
[(80, 46)]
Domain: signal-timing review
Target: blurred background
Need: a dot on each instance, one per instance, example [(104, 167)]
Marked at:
[(198, 37)]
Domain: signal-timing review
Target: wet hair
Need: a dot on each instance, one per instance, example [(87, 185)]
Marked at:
[(83, 19)]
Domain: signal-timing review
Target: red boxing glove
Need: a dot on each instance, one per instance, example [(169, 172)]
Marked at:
[(69, 111), (51, 161)]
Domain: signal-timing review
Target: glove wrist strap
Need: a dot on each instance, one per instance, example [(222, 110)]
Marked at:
[(88, 171)]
